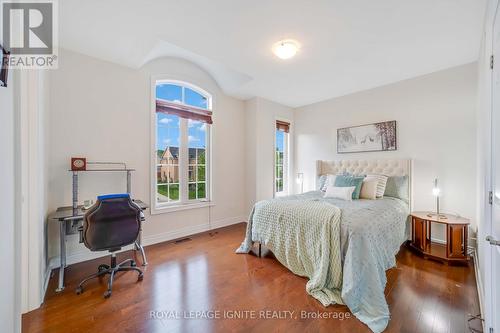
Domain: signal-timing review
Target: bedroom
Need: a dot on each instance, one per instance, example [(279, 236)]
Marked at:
[(347, 149)]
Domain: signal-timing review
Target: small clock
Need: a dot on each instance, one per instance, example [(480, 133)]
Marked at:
[(78, 164)]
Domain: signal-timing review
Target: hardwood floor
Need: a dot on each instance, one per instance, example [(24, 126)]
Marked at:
[(204, 274)]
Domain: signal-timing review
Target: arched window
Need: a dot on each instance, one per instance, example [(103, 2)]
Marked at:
[(182, 117)]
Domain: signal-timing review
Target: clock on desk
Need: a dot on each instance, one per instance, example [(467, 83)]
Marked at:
[(78, 164)]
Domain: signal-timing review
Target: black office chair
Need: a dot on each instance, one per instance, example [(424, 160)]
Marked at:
[(112, 222)]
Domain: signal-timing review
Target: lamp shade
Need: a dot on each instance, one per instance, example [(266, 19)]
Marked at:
[(300, 178), (436, 191)]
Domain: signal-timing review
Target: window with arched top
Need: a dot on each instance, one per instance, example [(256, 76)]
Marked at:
[(182, 120)]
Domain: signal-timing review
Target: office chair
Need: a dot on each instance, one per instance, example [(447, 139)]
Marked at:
[(112, 222)]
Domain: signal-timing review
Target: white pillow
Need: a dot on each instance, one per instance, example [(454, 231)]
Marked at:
[(344, 193), (382, 182), (369, 189), (330, 181)]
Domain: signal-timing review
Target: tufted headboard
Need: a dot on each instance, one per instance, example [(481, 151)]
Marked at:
[(388, 167)]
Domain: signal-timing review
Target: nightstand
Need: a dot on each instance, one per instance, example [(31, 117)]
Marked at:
[(457, 232)]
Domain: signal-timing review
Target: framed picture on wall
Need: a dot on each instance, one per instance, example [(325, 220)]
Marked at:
[(367, 138), (4, 67)]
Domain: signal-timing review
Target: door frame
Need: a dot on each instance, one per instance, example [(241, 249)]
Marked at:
[(31, 197), (489, 287)]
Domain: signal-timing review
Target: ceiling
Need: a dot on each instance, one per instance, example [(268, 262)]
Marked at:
[(346, 46)]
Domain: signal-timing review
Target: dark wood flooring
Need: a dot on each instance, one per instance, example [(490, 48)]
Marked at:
[(204, 274)]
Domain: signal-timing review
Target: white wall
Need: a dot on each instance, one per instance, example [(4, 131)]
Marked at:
[(261, 116), (9, 291), (101, 111), (251, 153), (435, 117)]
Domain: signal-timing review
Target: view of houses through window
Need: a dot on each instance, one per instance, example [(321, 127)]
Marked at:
[(281, 158), (178, 135), (280, 144), (168, 158), (197, 160)]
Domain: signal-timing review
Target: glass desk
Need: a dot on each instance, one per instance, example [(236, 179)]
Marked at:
[(67, 216)]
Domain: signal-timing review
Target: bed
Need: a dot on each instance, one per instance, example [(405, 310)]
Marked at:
[(342, 247)]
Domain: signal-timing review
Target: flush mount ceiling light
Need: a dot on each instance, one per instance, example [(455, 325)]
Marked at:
[(285, 49)]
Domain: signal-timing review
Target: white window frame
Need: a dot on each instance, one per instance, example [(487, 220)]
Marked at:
[(183, 202), (286, 162)]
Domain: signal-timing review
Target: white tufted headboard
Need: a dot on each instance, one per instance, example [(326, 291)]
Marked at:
[(388, 167)]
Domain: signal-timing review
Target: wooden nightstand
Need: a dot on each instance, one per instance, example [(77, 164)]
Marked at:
[(457, 232)]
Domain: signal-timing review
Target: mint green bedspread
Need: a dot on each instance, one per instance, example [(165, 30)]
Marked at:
[(304, 236), (343, 247)]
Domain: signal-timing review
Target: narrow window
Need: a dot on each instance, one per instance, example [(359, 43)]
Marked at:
[(281, 161), (197, 159), (167, 149)]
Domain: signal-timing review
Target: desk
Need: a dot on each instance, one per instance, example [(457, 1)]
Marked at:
[(65, 215)]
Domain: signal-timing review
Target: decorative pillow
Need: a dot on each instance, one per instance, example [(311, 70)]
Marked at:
[(369, 189), (328, 179), (397, 187), (322, 182), (348, 181), (382, 181), (344, 193)]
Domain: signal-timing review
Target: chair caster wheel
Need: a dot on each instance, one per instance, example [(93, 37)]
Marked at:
[(102, 267), (140, 277), (107, 294), (79, 290), (133, 264)]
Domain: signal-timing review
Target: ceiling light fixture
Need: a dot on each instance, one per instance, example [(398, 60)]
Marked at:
[(285, 49)]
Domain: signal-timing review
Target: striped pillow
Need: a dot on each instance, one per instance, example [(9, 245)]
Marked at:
[(382, 182)]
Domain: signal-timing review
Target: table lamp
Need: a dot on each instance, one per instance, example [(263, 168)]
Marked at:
[(300, 181), (436, 191)]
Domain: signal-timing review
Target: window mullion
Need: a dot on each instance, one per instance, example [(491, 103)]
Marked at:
[(285, 163), (208, 183), (183, 161)]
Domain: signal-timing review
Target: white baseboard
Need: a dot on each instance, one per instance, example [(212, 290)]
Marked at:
[(80, 256), (46, 278), (479, 283), (187, 231), (437, 240), (228, 221), (170, 235), (84, 254)]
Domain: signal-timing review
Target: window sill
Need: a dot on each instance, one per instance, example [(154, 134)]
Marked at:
[(178, 207)]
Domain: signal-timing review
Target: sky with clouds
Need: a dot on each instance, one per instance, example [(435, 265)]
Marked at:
[(168, 125), (169, 131), (280, 140)]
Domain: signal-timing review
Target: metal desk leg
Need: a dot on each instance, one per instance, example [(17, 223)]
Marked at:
[(138, 246), (62, 236)]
